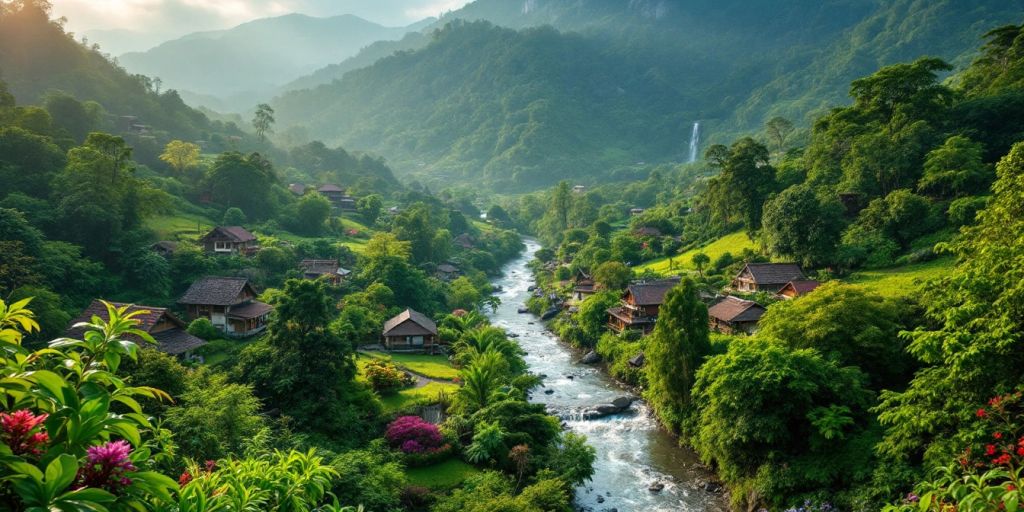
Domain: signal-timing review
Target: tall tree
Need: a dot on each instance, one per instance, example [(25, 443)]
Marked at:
[(779, 129), (263, 120), (745, 181), (180, 155), (674, 352), (800, 225)]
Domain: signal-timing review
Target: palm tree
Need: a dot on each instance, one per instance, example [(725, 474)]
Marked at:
[(481, 382)]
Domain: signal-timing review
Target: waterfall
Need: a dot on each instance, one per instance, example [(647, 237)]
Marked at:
[(694, 141)]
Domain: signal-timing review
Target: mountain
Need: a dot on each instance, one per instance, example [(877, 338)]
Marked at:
[(618, 82), (242, 65)]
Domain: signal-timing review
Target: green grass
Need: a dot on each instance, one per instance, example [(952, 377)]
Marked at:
[(415, 396), (733, 243), (441, 476), (221, 350), (900, 281), (434, 367), (180, 226)]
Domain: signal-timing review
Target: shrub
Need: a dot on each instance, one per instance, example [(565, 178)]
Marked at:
[(203, 328), (411, 434), (385, 378)]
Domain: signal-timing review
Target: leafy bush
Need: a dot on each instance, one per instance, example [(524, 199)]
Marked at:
[(203, 328), (385, 378), (411, 434)]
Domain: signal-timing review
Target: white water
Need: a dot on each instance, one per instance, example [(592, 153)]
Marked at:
[(694, 142), (632, 451)]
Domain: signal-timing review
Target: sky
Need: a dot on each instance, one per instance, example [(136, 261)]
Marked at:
[(158, 20)]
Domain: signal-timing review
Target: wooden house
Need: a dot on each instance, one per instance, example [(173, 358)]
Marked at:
[(465, 241), (583, 286), (640, 305), (448, 272), (229, 303), (766, 277), (328, 269), (233, 240), (733, 315), (164, 248), (169, 332), (411, 331), (794, 289), (297, 189), (333, 193), (647, 231)]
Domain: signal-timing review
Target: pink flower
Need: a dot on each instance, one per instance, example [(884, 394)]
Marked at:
[(18, 432), (106, 467), (411, 434)]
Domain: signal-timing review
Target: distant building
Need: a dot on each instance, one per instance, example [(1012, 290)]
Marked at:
[(579, 189), (297, 188), (333, 193), (766, 277), (329, 269), (465, 241), (448, 272), (410, 331), (583, 286), (229, 303), (164, 248), (733, 315), (234, 240), (647, 231), (167, 330), (636, 211), (794, 289), (640, 305)]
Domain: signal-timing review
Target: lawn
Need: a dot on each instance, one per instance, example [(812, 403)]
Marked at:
[(179, 226), (733, 243), (415, 396), (900, 281), (441, 476), (434, 367)]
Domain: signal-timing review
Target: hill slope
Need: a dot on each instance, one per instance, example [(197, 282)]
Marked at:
[(524, 109), (240, 66)]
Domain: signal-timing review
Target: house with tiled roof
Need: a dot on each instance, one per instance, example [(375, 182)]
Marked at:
[(794, 289), (232, 240), (733, 315), (583, 286), (229, 303), (766, 277), (410, 331), (640, 304), (169, 332), (328, 269), (164, 248)]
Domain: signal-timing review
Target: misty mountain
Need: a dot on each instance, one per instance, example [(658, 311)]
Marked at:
[(241, 65), (619, 82)]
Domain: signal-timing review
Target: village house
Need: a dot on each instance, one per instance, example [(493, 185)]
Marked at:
[(297, 188), (647, 231), (411, 331), (464, 241), (640, 304), (333, 193), (229, 303), (169, 332), (328, 269), (233, 240), (636, 211), (583, 286), (733, 315), (766, 277), (164, 248), (448, 272), (794, 289), (579, 189)]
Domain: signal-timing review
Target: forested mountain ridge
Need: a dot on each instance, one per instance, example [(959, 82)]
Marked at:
[(642, 73), (240, 65)]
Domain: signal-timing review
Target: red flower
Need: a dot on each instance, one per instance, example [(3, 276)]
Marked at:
[(17, 430), (1011, 487), (981, 413), (990, 449), (184, 479), (998, 435), (1020, 451), (994, 402), (210, 466), (1001, 460)]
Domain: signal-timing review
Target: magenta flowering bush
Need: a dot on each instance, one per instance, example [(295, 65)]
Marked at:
[(412, 434), (21, 431), (106, 467)]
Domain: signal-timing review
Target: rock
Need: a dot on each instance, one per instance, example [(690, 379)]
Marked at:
[(550, 313), (570, 377), (606, 409), (656, 487), (524, 310), (637, 361), (600, 499), (543, 375), (591, 358), (622, 402), (712, 487), (549, 391)]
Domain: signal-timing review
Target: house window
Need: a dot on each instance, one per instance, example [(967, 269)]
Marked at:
[(222, 246)]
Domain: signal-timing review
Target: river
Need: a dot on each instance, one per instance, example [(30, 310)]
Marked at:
[(632, 451)]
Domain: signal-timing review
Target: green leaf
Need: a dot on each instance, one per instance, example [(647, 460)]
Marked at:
[(51, 382), (60, 473), (1010, 500)]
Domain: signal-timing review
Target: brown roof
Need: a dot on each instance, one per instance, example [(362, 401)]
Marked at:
[(735, 309), (165, 245), (330, 188), (651, 293), (648, 231), (297, 188), (801, 287), (172, 341), (320, 267), (216, 291), (409, 322), (254, 309), (447, 268), (774, 273), (464, 240), (235, 233)]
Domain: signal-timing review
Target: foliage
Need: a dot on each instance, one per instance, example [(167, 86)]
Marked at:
[(385, 378), (674, 352), (372, 478), (802, 226), (613, 275), (215, 418), (411, 434), (493, 491), (181, 155)]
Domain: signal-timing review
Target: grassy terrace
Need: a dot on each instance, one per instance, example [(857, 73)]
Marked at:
[(433, 367), (733, 243), (900, 281), (441, 476)]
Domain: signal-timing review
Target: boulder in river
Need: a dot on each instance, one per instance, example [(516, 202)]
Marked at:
[(550, 313), (606, 409), (712, 487), (549, 391), (656, 487), (622, 402), (591, 358)]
